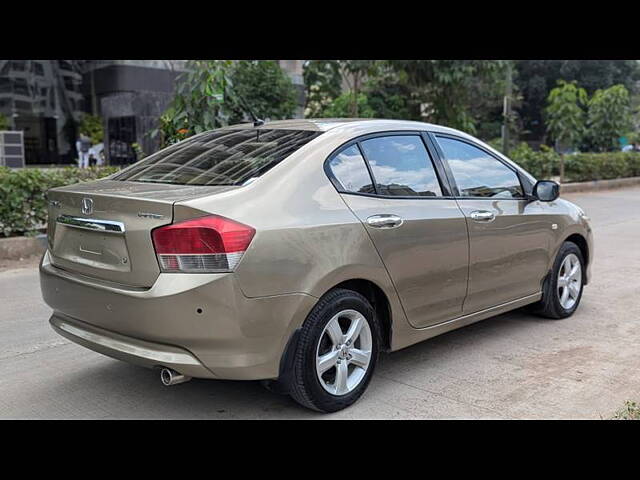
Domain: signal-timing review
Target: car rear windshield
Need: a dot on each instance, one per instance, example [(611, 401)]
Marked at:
[(219, 157)]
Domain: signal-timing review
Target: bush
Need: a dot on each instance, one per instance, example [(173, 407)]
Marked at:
[(23, 206), (583, 167), (580, 167), (544, 163)]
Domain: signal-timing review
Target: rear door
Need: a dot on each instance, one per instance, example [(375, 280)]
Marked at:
[(418, 230), (508, 235)]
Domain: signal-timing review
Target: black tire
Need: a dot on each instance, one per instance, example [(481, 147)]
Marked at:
[(305, 387), (549, 306)]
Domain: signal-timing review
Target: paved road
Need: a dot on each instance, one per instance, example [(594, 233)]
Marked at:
[(511, 366)]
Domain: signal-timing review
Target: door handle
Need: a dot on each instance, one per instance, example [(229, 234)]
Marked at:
[(482, 216), (384, 221)]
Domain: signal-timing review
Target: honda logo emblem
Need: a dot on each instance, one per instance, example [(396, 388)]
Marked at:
[(87, 206)]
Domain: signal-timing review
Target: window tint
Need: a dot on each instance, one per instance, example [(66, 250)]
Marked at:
[(219, 157), (401, 166), (477, 173), (349, 168)]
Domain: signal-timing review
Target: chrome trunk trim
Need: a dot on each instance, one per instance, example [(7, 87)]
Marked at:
[(104, 226)]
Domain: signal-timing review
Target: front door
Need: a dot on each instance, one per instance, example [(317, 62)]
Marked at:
[(420, 235), (508, 235)]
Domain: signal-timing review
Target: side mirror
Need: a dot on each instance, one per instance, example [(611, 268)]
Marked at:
[(546, 190)]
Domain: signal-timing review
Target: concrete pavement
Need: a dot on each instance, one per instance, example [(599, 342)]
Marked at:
[(511, 366)]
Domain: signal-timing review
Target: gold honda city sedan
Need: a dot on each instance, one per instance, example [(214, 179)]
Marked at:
[(294, 252)]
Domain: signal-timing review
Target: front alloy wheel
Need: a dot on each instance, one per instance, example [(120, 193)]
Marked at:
[(569, 281), (562, 289)]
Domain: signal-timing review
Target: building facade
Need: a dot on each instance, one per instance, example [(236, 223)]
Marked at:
[(43, 99), (130, 96), (46, 99)]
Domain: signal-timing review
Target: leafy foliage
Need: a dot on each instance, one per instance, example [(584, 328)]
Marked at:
[(630, 411), (442, 88), (210, 95), (197, 105), (323, 84), (565, 114), (388, 94), (542, 164), (4, 122), (450, 90), (324, 80), (609, 117), (580, 167), (92, 127), (23, 206), (265, 88), (536, 78), (584, 167), (343, 106)]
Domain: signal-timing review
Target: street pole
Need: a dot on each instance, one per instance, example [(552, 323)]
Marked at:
[(94, 102), (507, 110)]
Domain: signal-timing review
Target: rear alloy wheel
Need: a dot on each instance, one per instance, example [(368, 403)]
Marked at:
[(336, 353), (562, 289), (342, 358)]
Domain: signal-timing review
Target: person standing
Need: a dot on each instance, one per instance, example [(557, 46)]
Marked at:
[(97, 152), (83, 145)]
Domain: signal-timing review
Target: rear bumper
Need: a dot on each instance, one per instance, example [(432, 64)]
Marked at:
[(202, 320), (128, 349)]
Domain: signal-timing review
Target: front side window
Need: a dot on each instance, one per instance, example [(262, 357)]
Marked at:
[(477, 173), (219, 157), (350, 170), (401, 166)]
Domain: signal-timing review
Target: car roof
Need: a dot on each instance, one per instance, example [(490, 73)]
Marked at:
[(357, 125)]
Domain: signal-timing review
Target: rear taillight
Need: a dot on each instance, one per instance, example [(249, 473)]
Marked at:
[(205, 244)]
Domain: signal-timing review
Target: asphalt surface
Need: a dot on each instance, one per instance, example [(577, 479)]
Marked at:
[(511, 366)]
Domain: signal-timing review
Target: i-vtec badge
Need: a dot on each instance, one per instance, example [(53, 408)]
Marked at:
[(87, 206), (150, 215)]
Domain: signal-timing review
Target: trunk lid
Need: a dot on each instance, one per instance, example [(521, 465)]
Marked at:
[(103, 229)]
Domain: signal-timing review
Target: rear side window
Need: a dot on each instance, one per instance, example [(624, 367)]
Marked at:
[(349, 169), (401, 166), (219, 157), (477, 173)]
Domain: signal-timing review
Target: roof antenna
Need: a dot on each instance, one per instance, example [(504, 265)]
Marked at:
[(256, 121)]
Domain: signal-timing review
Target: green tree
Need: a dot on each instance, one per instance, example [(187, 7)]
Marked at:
[(565, 115), (92, 127), (214, 93), (197, 104), (265, 88), (4, 122), (324, 80), (388, 94), (441, 89), (609, 117), (323, 84), (536, 78), (354, 74), (343, 106)]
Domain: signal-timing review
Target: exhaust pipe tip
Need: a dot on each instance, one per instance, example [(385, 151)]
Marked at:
[(171, 377)]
